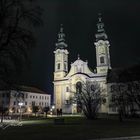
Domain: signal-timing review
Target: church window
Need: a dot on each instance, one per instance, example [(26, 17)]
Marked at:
[(114, 109), (93, 87), (67, 89), (102, 60), (67, 102), (58, 66), (78, 87), (65, 67)]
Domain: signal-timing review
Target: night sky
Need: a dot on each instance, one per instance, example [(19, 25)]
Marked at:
[(79, 18)]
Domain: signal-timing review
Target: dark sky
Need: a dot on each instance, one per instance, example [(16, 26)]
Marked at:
[(79, 18)]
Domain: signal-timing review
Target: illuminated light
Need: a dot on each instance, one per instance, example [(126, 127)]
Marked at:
[(53, 107), (20, 104), (29, 110), (10, 110)]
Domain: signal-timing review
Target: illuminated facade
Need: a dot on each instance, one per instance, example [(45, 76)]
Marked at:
[(65, 80), (29, 96)]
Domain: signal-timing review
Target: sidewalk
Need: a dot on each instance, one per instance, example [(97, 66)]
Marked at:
[(120, 138), (66, 115)]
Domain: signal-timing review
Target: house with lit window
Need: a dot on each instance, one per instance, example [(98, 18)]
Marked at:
[(27, 97)]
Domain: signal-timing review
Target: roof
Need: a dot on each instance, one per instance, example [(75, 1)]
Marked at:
[(79, 62), (124, 74), (79, 66), (31, 89)]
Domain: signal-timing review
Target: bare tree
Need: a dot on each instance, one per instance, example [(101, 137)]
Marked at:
[(126, 98), (35, 109), (119, 99), (133, 94), (17, 19), (46, 110), (89, 97)]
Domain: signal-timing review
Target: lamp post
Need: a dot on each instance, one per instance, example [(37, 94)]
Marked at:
[(53, 109), (20, 105)]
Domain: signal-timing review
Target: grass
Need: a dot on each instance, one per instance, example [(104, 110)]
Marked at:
[(74, 128)]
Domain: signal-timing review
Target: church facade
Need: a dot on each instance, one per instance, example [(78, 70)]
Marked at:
[(65, 79)]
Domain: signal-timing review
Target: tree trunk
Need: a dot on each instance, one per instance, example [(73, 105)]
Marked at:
[(2, 114), (120, 116)]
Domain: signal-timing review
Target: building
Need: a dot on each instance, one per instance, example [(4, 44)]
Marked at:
[(65, 80), (28, 96), (123, 86)]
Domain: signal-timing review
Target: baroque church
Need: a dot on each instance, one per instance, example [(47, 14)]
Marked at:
[(65, 79)]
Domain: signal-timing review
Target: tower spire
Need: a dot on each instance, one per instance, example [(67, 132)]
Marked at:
[(61, 39), (61, 35), (78, 56), (102, 48), (100, 17), (100, 35)]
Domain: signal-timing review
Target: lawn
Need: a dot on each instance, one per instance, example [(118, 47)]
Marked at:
[(74, 128)]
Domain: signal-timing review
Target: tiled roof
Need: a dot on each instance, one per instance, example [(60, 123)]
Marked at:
[(31, 89)]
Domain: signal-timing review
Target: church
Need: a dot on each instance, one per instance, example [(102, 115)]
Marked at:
[(66, 78)]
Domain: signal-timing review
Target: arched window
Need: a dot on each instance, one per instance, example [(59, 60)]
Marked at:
[(102, 60), (58, 66), (78, 87)]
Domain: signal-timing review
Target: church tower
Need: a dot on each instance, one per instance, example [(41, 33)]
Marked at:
[(102, 48), (61, 56)]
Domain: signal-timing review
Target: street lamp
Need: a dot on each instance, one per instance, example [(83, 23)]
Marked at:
[(52, 109), (20, 105)]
